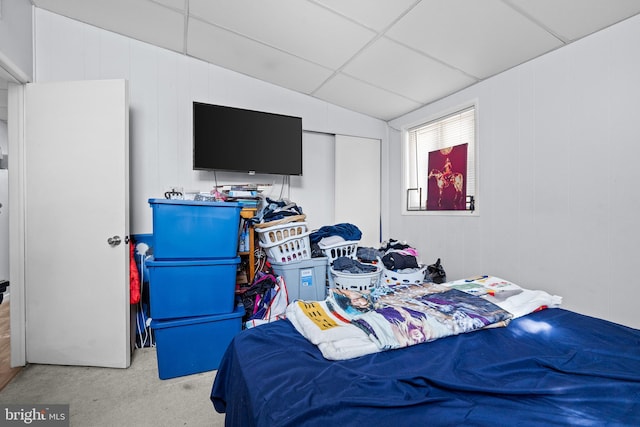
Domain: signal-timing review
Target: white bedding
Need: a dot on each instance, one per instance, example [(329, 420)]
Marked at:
[(349, 324), (507, 295)]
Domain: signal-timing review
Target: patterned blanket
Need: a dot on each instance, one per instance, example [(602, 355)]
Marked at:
[(349, 324)]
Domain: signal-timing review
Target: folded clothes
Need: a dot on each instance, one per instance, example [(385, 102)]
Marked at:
[(350, 265), (398, 261), (330, 240), (367, 254)]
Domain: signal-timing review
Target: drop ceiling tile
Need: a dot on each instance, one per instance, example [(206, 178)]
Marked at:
[(358, 96), (480, 38), (246, 56), (375, 14), (299, 27), (404, 71), (174, 4), (139, 19), (573, 19)]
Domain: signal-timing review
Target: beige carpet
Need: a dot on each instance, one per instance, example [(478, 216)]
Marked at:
[(118, 397)]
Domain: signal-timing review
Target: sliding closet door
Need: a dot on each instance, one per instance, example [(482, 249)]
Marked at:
[(357, 186), (309, 191), (76, 204)]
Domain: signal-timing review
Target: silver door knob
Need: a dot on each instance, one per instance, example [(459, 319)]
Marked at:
[(114, 241)]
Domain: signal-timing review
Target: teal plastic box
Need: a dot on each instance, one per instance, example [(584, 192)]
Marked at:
[(189, 229), (306, 279), (191, 287), (194, 344)]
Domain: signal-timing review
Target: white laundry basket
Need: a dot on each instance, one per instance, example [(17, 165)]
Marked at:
[(415, 277), (360, 282), (292, 249), (281, 232), (348, 248)]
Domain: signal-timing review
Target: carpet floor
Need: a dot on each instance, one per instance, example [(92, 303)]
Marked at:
[(108, 397)]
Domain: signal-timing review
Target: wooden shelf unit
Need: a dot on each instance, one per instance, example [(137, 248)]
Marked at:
[(248, 213)]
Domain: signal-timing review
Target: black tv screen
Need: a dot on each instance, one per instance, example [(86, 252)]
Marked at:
[(235, 139)]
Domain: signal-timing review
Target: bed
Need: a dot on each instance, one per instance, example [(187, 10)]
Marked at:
[(548, 367)]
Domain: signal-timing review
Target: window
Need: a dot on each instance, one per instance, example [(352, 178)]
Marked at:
[(440, 164)]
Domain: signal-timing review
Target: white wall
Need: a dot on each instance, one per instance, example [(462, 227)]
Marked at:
[(163, 85), (559, 139)]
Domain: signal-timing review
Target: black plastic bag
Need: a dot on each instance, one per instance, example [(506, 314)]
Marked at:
[(436, 272)]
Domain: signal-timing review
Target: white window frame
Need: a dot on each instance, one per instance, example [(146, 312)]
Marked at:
[(408, 181)]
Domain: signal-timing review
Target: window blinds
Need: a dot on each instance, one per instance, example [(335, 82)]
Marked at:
[(451, 130)]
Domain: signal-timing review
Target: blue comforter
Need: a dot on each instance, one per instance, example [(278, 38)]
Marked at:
[(552, 367)]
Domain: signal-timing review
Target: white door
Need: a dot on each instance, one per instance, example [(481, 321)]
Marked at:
[(357, 186), (76, 223)]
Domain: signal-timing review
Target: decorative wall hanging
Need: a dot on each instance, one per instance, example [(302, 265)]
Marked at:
[(446, 182)]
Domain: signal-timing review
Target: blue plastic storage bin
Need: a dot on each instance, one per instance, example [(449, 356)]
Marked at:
[(306, 279), (188, 229), (194, 344), (191, 287)]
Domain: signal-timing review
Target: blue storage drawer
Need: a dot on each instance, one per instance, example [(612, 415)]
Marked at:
[(194, 344), (191, 287), (188, 229)]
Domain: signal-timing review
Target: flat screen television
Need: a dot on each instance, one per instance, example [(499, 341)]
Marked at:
[(239, 140)]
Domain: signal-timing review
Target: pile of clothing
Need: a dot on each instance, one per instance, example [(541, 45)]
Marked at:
[(402, 258), (395, 255), (265, 300), (329, 235), (353, 266), (276, 210), (399, 256)]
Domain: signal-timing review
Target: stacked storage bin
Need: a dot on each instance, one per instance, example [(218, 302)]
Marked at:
[(289, 252), (192, 283)]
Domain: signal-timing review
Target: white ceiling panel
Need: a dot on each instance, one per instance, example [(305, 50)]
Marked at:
[(419, 77), (574, 19), (359, 96), (252, 58), (174, 4), (375, 14), (481, 38), (379, 57), (299, 27)]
